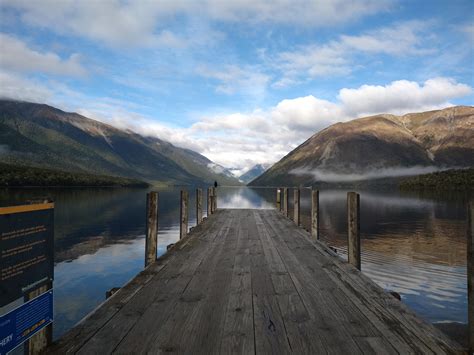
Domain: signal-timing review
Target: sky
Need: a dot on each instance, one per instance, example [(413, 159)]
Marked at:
[(240, 81)]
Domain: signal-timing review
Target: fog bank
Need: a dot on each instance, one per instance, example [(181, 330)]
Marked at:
[(328, 176)]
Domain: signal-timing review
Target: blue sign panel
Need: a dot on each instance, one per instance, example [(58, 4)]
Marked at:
[(21, 323), (26, 245)]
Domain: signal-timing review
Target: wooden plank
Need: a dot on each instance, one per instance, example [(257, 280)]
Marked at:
[(353, 229), (176, 333), (369, 316), (106, 314), (270, 333), (470, 273), (198, 206), (135, 326), (238, 334), (296, 206), (318, 295), (247, 281), (382, 309), (204, 326), (374, 345), (315, 214), (183, 214), (295, 315), (151, 241)]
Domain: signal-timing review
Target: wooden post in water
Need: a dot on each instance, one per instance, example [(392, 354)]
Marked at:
[(214, 200), (44, 337), (198, 206), (183, 213), (315, 214), (209, 201), (285, 201), (278, 200), (470, 274), (296, 206), (353, 228), (281, 199), (151, 241), (40, 341)]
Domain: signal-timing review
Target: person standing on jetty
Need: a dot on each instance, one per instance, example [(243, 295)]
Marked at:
[(215, 183)]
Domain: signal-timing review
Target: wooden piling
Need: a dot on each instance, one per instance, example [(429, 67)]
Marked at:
[(285, 202), (151, 241), (353, 229), (470, 274), (209, 201), (44, 337), (198, 206), (183, 213), (278, 199), (40, 341), (214, 200), (296, 206), (315, 214)]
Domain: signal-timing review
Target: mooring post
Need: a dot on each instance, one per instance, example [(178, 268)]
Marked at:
[(470, 273), (353, 228), (296, 206), (198, 206), (209, 201), (278, 201), (38, 343), (151, 241), (285, 201), (183, 212), (281, 199), (315, 214), (214, 200)]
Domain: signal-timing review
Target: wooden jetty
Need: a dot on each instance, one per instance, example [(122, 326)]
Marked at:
[(252, 281)]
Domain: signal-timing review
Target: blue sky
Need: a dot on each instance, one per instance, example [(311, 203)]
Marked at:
[(239, 81)]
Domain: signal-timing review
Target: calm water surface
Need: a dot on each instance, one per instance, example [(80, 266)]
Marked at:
[(412, 243)]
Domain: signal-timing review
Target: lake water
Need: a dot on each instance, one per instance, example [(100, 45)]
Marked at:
[(412, 243)]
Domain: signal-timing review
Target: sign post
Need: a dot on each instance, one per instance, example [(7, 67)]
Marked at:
[(26, 275)]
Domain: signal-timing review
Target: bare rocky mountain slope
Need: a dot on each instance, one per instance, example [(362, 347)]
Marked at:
[(441, 138)]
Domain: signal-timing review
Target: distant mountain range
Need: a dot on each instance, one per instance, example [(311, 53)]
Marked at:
[(379, 146), (253, 173), (43, 136)]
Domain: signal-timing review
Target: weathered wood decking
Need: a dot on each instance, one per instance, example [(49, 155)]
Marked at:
[(250, 281)]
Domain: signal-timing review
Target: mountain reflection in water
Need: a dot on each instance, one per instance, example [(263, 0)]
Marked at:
[(412, 243)]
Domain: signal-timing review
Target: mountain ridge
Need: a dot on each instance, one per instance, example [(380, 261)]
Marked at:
[(254, 172), (439, 138), (44, 136)]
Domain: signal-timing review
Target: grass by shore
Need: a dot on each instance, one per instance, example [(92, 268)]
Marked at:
[(23, 176), (453, 179)]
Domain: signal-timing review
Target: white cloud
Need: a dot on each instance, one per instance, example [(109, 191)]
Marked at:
[(18, 88), (113, 22), (468, 30), (305, 113), (232, 79), (401, 96), (312, 13), (400, 39), (141, 22), (239, 140), (337, 57), (324, 175), (17, 56)]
